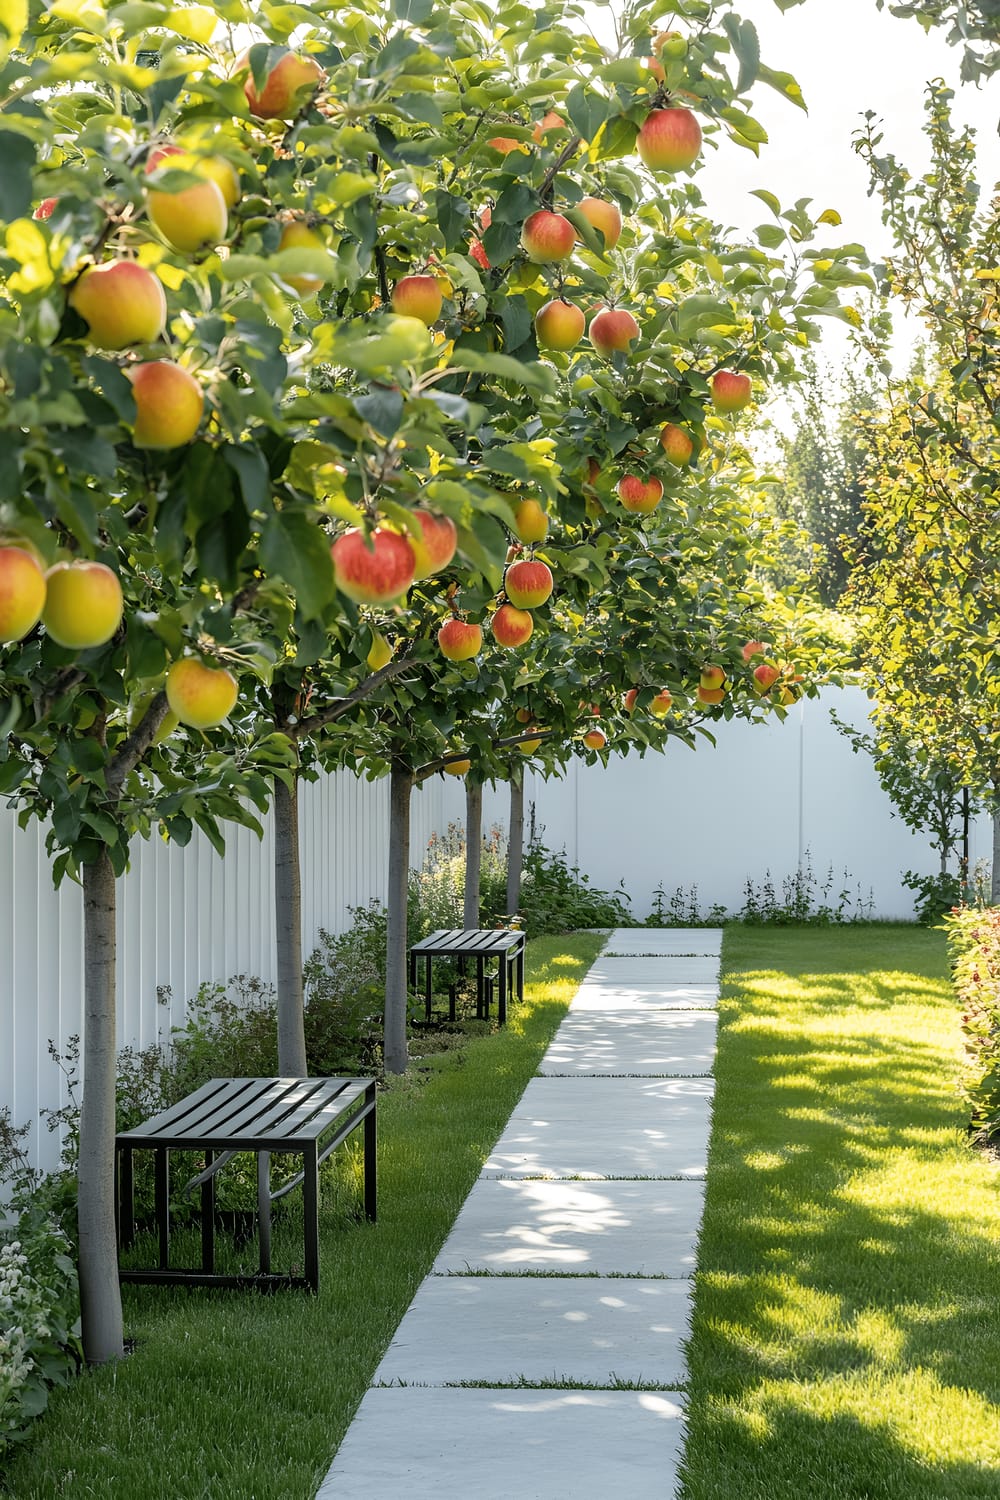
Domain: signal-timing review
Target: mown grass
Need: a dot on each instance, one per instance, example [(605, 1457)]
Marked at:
[(846, 1339), (237, 1396)]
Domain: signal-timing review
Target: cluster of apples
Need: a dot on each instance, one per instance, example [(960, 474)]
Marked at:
[(378, 567), (123, 303), (768, 676), (80, 604)]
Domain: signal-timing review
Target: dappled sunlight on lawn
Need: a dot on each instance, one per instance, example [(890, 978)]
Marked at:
[(849, 1266)]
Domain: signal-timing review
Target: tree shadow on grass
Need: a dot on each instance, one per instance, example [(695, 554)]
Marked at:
[(823, 1258)]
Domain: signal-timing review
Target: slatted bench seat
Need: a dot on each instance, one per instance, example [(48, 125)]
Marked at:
[(310, 1116), (502, 947)]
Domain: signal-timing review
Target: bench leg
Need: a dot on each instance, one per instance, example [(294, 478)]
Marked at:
[(161, 1194), (208, 1219), (125, 1197), (427, 987), (264, 1210), (502, 971), (310, 1195)]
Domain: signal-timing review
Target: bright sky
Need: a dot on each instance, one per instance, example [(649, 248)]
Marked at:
[(848, 57)]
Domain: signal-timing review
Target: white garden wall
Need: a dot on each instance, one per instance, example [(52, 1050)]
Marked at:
[(759, 801), (713, 817)]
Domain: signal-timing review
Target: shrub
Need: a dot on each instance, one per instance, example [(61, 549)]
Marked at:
[(974, 937), (39, 1297), (555, 897)]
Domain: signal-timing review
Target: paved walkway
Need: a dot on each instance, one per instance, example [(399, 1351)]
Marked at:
[(543, 1358)]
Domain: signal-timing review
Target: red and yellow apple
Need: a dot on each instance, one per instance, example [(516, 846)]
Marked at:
[(612, 330), (44, 209), (764, 677), (22, 592), (638, 494), (731, 390), (712, 676), (511, 626), (218, 169), (458, 767), (630, 699), (547, 237), (531, 524), (459, 640), (285, 87), (669, 140), (169, 404), (559, 325), (83, 604), (505, 144), (603, 216), (528, 747), (418, 297), (677, 444), (710, 695), (594, 739), (201, 697), (433, 539), (193, 218), (528, 584), (373, 569), (121, 302), (752, 649), (661, 703)]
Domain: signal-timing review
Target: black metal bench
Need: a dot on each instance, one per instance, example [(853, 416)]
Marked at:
[(311, 1116), (502, 946)]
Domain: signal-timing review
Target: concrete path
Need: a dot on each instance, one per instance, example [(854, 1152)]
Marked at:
[(543, 1358)]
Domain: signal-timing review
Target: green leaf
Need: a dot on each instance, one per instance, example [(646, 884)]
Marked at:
[(768, 198), (250, 468), (532, 376), (743, 36), (295, 549), (18, 156), (587, 111), (784, 83), (382, 408)]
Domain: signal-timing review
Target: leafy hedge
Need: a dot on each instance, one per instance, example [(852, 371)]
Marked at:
[(974, 936), (39, 1320)]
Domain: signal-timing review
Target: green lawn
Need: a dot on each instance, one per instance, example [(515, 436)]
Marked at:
[(237, 1396), (846, 1343)]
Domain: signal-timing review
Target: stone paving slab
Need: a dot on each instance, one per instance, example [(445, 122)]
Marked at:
[(664, 940), (503, 1329), (576, 1228), (606, 1127), (508, 1445), (656, 1042), (652, 996), (643, 971)]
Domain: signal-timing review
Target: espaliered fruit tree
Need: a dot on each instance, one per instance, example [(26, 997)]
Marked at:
[(297, 306)]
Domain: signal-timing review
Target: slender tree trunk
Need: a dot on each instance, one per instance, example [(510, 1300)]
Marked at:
[(100, 1295), (288, 931), (515, 842), (965, 837), (473, 851), (400, 787), (995, 877)]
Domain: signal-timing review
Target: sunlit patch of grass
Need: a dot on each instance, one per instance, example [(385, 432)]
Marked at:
[(231, 1395), (846, 1338)]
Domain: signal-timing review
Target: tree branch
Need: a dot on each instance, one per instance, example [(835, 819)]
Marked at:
[(341, 706), (134, 748)]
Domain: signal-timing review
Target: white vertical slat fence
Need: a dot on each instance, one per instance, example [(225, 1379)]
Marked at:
[(185, 917)]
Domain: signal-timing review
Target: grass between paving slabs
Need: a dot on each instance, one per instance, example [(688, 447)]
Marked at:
[(846, 1341), (239, 1396)]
